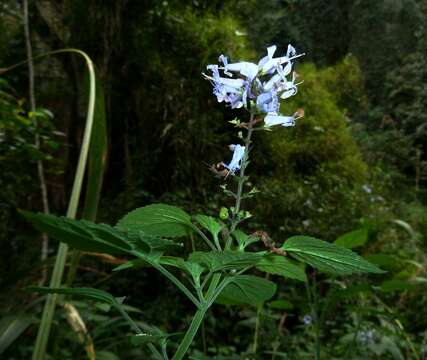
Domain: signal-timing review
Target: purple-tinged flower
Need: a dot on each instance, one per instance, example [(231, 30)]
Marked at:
[(236, 161), (228, 90)]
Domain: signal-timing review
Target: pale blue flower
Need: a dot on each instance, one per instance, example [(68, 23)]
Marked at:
[(286, 121), (269, 64), (247, 69), (228, 90), (307, 319), (271, 120), (236, 161), (257, 86), (268, 102)]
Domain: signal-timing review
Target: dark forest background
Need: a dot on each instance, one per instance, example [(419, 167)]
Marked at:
[(357, 160)]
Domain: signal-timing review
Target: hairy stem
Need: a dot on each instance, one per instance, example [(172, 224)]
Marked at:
[(171, 277), (197, 319), (235, 216)]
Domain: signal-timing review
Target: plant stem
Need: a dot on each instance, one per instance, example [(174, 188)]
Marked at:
[(312, 298), (171, 277), (197, 319), (257, 326), (205, 238), (236, 217)]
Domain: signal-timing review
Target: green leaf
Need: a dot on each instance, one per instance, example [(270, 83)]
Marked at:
[(386, 261), (243, 239), (106, 355), (353, 239), (210, 224), (81, 234), (149, 243), (158, 220), (97, 154), (352, 291), (279, 265), (192, 268), (396, 285), (90, 293), (281, 305), (247, 289), (11, 327), (327, 257), (225, 260)]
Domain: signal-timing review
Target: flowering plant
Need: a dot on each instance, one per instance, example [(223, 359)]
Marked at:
[(216, 270)]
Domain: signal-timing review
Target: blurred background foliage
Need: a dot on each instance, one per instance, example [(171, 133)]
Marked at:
[(355, 161)]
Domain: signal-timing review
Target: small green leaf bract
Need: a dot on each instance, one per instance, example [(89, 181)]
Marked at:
[(327, 257)]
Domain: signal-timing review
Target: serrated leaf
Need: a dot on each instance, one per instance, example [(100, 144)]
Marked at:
[(81, 234), (140, 262), (353, 239), (90, 293), (210, 224), (149, 243), (243, 239), (247, 289), (279, 265), (11, 327), (157, 220), (225, 260), (327, 257)]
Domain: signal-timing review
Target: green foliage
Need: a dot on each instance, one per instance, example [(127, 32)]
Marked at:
[(93, 294), (158, 220), (247, 289), (210, 224), (327, 257), (279, 265), (353, 165), (82, 235), (225, 260), (353, 239)]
